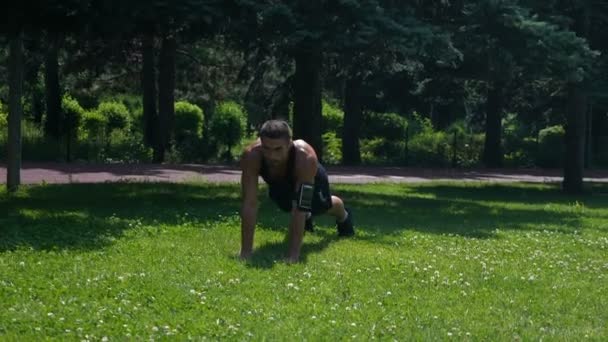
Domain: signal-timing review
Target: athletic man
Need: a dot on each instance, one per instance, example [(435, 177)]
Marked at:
[(297, 183)]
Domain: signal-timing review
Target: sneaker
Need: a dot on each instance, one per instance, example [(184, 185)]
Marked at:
[(308, 225), (346, 228)]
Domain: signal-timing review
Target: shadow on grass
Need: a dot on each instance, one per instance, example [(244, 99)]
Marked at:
[(267, 255), (90, 216), (468, 210)]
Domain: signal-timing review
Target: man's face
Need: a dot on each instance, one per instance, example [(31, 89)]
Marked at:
[(275, 151)]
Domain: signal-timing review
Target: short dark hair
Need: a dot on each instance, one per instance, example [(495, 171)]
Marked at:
[(275, 129)]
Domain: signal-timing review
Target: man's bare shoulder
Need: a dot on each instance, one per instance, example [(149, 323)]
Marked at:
[(251, 156), (305, 154)]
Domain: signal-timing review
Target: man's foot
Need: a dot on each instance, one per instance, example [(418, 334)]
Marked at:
[(346, 228), (308, 225)]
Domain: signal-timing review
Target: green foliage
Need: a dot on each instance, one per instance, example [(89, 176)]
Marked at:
[(430, 148), (465, 148), (3, 120), (332, 148), (227, 126), (188, 120), (35, 146), (72, 111), (382, 151), (391, 126), (188, 132), (93, 125), (551, 146), (116, 113), (333, 118), (126, 146), (519, 147)]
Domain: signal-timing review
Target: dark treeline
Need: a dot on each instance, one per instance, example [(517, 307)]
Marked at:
[(494, 83)]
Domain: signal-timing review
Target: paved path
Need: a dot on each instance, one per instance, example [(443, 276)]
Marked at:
[(35, 173)]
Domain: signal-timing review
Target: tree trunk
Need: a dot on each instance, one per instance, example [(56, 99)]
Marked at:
[(54, 117), (576, 120), (150, 116), (353, 115), (166, 93), (209, 110), (15, 111), (589, 137), (31, 77), (575, 140), (307, 105), (492, 153)]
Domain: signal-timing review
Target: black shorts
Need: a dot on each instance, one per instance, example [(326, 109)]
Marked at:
[(284, 196)]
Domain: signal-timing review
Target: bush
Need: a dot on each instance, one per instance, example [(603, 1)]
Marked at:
[(384, 125), (430, 148), (3, 120), (522, 154), (382, 151), (126, 146), (116, 113), (35, 146), (332, 148), (227, 126), (464, 148), (134, 106), (551, 146), (333, 119), (93, 125), (72, 111), (188, 120), (519, 147)]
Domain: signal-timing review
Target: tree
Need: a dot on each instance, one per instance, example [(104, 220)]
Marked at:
[(166, 94), (509, 40), (381, 39), (15, 111)]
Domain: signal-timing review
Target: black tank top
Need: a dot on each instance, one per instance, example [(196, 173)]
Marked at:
[(288, 180)]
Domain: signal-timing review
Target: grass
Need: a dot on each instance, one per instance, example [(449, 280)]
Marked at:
[(430, 262)]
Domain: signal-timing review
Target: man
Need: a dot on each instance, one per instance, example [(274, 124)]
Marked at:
[(297, 183)]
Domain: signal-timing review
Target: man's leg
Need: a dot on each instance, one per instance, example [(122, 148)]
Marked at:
[(325, 203), (337, 209), (344, 218)]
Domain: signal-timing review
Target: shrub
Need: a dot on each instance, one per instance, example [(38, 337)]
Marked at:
[(3, 120), (188, 120), (332, 148), (384, 125), (430, 148), (551, 146), (333, 118), (126, 146), (93, 125), (117, 114), (227, 126), (72, 112), (382, 151)]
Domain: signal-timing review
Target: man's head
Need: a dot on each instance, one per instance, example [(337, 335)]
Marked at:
[(275, 136)]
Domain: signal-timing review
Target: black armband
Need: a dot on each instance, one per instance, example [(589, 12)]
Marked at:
[(304, 197)]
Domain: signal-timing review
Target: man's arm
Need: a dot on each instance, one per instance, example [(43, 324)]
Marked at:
[(249, 207), (306, 171)]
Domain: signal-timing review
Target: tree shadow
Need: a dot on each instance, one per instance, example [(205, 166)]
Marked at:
[(470, 211), (267, 255), (90, 216)]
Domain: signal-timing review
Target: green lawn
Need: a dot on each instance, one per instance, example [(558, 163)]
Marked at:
[(430, 262)]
